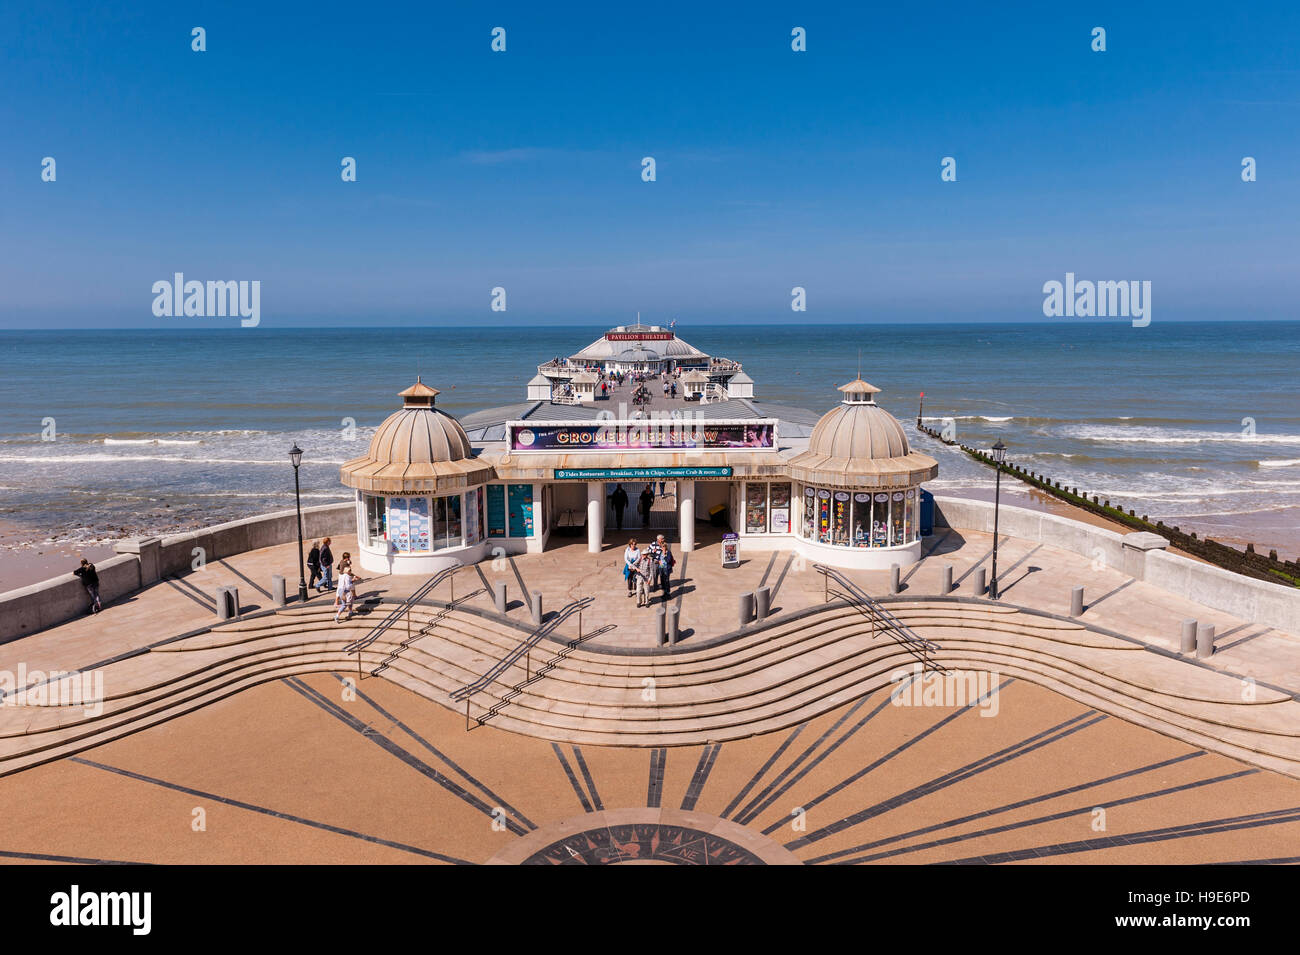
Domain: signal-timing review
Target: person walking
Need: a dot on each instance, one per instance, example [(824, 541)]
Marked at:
[(630, 557), (327, 566), (664, 563), (646, 499), (345, 596), (313, 563), (90, 580), (619, 502), (644, 574)]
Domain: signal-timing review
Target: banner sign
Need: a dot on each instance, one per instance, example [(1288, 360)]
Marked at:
[(639, 336), (637, 474), (651, 435)]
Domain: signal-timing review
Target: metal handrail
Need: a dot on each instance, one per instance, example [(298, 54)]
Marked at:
[(920, 648), (530, 641), (356, 646)]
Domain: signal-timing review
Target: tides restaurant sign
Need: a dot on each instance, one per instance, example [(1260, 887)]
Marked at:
[(650, 435)]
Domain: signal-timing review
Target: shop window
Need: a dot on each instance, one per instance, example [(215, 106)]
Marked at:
[(809, 513), (880, 521), (823, 517), (840, 509), (861, 519), (755, 508), (896, 518), (376, 521), (779, 502)]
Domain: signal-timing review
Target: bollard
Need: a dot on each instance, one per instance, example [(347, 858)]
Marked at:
[(674, 625), (499, 595), (1076, 601), (277, 590), (661, 629), (895, 581), (945, 582), (762, 602), (977, 584), (223, 604), (227, 603), (1204, 640), (537, 606), (746, 608), (1188, 642)]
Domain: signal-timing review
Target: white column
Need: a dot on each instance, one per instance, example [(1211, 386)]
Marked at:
[(595, 516), (686, 514)]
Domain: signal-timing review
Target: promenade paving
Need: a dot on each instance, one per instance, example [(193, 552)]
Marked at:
[(302, 770)]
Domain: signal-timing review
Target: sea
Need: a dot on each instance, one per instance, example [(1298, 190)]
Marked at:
[(112, 433)]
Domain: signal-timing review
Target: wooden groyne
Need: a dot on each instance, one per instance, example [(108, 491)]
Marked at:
[(1247, 561)]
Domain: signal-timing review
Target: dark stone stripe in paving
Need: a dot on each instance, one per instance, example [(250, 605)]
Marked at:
[(189, 590), (72, 860), (655, 787), (573, 780), (747, 814), (770, 562), (818, 761), (890, 755), (974, 768), (287, 817), (1286, 860), (586, 775), (409, 758), (1210, 827), (441, 755), (762, 771), (701, 776), (245, 579), (681, 583), (1051, 817), (998, 810)]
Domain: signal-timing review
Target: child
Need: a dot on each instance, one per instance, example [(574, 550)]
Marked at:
[(345, 595)]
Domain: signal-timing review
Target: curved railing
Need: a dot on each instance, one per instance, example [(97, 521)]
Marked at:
[(922, 650)]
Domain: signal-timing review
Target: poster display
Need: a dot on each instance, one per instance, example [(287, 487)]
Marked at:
[(418, 516), (730, 550), (756, 508)]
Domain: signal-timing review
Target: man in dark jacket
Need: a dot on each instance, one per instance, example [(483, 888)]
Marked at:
[(327, 566), (619, 500), (313, 563), (89, 580), (645, 501)]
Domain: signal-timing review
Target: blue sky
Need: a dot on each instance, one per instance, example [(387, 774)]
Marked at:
[(523, 169)]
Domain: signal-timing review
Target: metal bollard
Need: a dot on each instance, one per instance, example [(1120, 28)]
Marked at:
[(895, 578), (762, 602), (537, 606), (1188, 642), (661, 626), (223, 605), (945, 580), (1204, 640), (673, 625), (746, 608), (277, 590), (1076, 601), (499, 595), (978, 582)]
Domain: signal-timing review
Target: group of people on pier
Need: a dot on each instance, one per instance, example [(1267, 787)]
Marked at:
[(647, 569)]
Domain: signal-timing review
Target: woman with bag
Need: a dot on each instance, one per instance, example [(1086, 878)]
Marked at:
[(630, 557)]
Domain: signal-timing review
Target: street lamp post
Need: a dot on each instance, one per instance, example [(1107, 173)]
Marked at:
[(999, 455), (295, 456)]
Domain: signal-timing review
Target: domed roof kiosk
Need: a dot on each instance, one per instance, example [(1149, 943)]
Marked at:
[(419, 491), (858, 485)]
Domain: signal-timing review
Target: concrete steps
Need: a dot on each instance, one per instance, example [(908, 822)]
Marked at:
[(774, 678)]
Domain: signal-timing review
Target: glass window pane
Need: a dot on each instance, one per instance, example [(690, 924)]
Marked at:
[(861, 519), (809, 513), (779, 501), (880, 520), (896, 518), (453, 521), (755, 508), (841, 510), (823, 516)]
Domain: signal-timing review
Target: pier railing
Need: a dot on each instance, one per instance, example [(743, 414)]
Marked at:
[(882, 621), (522, 651), (403, 611)]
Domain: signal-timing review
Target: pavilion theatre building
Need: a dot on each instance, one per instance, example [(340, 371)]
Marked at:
[(635, 408)]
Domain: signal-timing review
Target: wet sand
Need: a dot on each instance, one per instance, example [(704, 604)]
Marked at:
[(26, 560)]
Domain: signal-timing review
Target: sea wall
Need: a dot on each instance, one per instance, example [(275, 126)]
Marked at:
[(1276, 605), (144, 561)]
